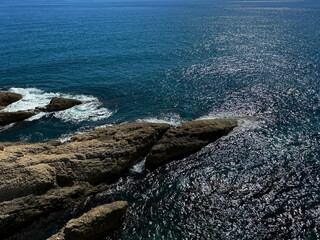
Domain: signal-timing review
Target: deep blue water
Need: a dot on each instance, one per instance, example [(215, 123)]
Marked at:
[(175, 61)]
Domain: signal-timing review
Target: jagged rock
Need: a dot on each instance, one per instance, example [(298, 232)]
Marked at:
[(12, 117), (100, 156), (95, 223), (18, 182), (6, 98), (59, 104), (22, 211), (37, 179), (186, 139)]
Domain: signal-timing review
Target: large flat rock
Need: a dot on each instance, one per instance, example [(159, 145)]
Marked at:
[(37, 179), (97, 157), (186, 139), (100, 156)]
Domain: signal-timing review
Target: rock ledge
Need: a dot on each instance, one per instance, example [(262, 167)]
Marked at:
[(95, 223), (186, 139), (37, 179)]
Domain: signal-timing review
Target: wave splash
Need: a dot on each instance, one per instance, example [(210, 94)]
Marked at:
[(33, 97), (171, 119)]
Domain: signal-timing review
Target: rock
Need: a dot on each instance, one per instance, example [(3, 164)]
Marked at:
[(20, 212), (6, 98), (100, 156), (20, 182), (187, 139), (37, 179), (12, 117), (94, 224), (29, 172), (59, 104)]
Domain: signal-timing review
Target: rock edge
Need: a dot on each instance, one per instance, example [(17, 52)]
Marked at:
[(39, 179)]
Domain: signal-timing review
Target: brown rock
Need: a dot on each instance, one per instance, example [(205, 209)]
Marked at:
[(187, 139), (12, 117), (94, 224), (6, 98), (17, 182), (32, 171), (100, 156), (59, 104), (22, 211), (40, 178)]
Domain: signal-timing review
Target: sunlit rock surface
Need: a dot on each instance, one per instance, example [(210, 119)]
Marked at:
[(95, 223), (187, 139), (37, 179)]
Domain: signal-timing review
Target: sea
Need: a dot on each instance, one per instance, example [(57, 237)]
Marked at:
[(173, 61)]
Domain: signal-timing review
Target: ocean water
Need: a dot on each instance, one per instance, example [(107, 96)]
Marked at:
[(174, 61)]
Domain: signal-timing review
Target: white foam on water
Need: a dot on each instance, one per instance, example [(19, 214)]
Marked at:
[(228, 115), (33, 97), (245, 122), (92, 111), (139, 166), (3, 128), (103, 126), (36, 117), (172, 119), (67, 137)]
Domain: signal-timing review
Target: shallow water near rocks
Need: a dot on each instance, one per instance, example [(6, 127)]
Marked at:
[(255, 61)]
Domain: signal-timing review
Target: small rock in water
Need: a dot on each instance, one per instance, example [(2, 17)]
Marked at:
[(12, 117), (59, 104), (95, 223), (6, 98)]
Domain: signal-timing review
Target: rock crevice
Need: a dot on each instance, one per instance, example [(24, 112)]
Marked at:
[(38, 179)]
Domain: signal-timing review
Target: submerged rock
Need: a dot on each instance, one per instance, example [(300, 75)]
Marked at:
[(59, 104), (186, 139), (6, 98), (95, 223), (12, 117)]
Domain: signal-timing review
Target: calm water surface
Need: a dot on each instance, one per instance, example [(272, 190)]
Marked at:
[(175, 61)]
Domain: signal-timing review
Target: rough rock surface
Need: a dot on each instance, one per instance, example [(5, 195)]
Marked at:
[(186, 139), (6, 98), (12, 117), (101, 156), (95, 223), (59, 104), (37, 179), (22, 211)]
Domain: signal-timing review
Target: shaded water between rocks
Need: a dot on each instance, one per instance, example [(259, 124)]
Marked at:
[(175, 61)]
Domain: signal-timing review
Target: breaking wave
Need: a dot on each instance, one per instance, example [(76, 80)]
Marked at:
[(33, 97)]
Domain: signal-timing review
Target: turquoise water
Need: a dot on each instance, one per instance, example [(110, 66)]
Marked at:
[(175, 61)]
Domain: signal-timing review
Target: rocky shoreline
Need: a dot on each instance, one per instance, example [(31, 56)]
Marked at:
[(37, 179)]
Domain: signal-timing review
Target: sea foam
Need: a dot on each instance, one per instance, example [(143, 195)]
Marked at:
[(171, 119), (92, 110)]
